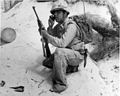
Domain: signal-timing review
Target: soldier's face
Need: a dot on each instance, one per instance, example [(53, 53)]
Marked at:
[(59, 16)]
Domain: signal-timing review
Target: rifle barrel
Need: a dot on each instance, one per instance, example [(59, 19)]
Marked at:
[(35, 12), (46, 50)]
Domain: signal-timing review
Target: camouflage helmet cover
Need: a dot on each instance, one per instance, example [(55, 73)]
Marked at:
[(58, 7)]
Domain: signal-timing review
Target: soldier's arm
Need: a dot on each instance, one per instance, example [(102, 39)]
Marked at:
[(65, 39)]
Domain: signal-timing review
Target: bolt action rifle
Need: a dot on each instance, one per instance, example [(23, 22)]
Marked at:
[(46, 50)]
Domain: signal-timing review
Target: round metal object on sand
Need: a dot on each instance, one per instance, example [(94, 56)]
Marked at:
[(8, 35)]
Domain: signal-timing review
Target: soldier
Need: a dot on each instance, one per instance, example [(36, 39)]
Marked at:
[(66, 37)]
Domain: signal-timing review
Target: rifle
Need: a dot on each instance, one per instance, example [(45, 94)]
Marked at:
[(46, 50)]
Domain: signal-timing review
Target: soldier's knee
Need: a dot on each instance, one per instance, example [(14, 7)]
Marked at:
[(58, 51)]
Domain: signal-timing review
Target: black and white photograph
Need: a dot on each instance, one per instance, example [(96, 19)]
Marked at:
[(59, 47)]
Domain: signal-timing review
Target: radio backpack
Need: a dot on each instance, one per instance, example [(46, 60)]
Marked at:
[(84, 27)]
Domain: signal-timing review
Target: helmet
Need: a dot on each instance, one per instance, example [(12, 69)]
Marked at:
[(58, 7)]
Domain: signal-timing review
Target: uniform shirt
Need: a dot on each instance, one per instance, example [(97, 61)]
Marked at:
[(65, 35)]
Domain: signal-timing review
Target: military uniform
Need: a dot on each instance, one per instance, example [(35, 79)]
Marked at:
[(66, 37)]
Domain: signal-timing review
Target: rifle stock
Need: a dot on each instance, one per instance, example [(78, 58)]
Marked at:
[(46, 50)]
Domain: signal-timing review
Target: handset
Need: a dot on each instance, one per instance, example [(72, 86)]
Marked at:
[(52, 17)]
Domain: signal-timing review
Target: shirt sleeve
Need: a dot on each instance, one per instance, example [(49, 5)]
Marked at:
[(65, 39)]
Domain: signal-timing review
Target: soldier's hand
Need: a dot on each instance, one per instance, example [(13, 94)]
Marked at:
[(51, 22), (44, 33)]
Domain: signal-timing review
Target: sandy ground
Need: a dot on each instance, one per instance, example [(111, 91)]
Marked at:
[(21, 60)]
